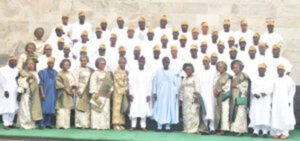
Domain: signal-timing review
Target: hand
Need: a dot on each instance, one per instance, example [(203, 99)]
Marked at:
[(78, 93), (43, 97), (75, 40), (233, 86), (109, 94), (130, 97), (69, 91), (154, 97), (148, 98), (196, 100), (6, 94), (256, 96), (97, 95), (263, 94)]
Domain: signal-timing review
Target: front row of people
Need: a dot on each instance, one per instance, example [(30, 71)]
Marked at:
[(140, 95)]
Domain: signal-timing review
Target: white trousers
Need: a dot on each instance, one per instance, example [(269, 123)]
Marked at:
[(263, 128), (142, 122), (276, 132), (211, 124), (8, 119), (168, 126)]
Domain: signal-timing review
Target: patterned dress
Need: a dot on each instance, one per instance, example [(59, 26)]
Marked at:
[(119, 96), (102, 83), (190, 109), (239, 112)]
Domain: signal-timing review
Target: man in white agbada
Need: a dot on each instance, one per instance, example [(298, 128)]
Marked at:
[(223, 53), (155, 61), (194, 59), (43, 59), (105, 32), (278, 59), (112, 50), (78, 27), (205, 35), (96, 42), (132, 58), (213, 45), (282, 117), (148, 44), (140, 84), (251, 62), (176, 62), (233, 55), (243, 49), (203, 49), (175, 35), (59, 33), (260, 106), (8, 92), (184, 28), (163, 28), (141, 32), (165, 47), (244, 32), (264, 53), (58, 46), (226, 32), (207, 76), (120, 30), (183, 47), (85, 41), (130, 40), (193, 38), (271, 37), (65, 26)]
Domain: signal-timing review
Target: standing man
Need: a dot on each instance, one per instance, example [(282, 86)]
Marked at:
[(282, 117), (140, 92), (260, 106), (8, 92), (207, 77), (48, 92), (244, 32), (78, 27), (271, 37), (165, 93), (226, 32)]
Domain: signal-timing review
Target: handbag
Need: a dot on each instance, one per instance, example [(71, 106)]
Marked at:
[(241, 100), (226, 95)]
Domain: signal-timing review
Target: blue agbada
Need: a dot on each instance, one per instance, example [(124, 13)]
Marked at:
[(166, 86), (48, 81)]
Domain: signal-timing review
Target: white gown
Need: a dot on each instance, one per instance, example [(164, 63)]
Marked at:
[(8, 83)]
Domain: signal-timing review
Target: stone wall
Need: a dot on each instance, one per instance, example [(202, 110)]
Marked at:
[(19, 18)]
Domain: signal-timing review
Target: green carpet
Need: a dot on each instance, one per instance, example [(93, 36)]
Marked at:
[(88, 134)]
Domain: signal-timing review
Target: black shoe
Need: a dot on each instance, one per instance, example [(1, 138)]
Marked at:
[(158, 130), (168, 130), (254, 135), (12, 126), (265, 135), (6, 127), (212, 132), (49, 127)]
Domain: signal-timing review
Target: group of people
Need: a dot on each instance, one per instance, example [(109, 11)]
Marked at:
[(212, 80)]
